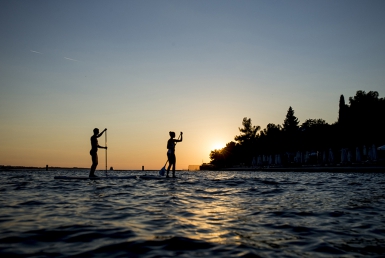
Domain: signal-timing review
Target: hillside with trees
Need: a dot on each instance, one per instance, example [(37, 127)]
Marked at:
[(352, 139)]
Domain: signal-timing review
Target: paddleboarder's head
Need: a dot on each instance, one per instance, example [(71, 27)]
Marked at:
[(96, 131), (172, 134)]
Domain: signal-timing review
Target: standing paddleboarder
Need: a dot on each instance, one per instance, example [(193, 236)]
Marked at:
[(171, 152), (94, 150)]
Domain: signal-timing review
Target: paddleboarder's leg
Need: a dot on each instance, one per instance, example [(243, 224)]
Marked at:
[(94, 157), (169, 157), (171, 160), (173, 166)]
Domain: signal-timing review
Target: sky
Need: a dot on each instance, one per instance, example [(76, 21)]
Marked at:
[(144, 68)]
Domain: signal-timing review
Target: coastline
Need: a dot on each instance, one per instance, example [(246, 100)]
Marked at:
[(312, 169)]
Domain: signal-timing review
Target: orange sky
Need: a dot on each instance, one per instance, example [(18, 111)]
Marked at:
[(142, 70)]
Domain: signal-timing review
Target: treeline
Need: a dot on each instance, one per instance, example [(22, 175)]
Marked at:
[(360, 123)]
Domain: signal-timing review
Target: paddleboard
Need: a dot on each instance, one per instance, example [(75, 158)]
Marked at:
[(93, 178), (149, 177)]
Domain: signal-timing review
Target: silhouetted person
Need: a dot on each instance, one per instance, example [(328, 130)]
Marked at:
[(94, 150), (171, 152)]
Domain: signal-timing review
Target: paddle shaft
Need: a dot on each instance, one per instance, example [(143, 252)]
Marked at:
[(105, 144)]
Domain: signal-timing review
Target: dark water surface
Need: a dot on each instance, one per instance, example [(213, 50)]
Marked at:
[(200, 214)]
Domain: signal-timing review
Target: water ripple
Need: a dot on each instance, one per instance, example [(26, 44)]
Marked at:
[(200, 214)]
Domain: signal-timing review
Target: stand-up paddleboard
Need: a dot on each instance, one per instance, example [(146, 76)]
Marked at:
[(93, 178), (150, 177)]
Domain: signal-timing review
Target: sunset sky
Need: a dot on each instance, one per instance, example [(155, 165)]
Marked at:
[(144, 68)]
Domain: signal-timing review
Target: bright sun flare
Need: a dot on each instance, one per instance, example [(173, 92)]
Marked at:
[(218, 146)]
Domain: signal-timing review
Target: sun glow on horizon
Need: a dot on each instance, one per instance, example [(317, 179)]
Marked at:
[(218, 146)]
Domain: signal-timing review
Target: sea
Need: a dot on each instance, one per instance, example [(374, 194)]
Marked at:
[(198, 214)]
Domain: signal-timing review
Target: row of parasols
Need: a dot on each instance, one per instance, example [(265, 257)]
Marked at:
[(345, 156)]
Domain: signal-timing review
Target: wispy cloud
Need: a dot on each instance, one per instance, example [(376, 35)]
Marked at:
[(33, 51), (71, 59)]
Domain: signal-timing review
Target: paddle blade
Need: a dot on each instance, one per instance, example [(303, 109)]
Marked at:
[(162, 172)]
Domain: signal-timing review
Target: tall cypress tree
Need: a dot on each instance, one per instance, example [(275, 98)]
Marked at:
[(342, 112)]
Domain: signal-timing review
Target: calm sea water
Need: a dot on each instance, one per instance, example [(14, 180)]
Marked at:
[(200, 214)]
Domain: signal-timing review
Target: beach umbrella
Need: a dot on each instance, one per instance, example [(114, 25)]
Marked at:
[(259, 160), (298, 157), (370, 153), (288, 157), (331, 156), (343, 155), (254, 162), (358, 155), (381, 148), (374, 152), (278, 159)]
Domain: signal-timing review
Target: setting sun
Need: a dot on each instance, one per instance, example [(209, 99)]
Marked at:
[(218, 146)]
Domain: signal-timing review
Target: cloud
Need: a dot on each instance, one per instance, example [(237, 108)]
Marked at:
[(33, 51), (71, 59)]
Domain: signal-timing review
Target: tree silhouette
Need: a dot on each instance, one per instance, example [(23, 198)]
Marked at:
[(290, 129), (270, 139), (367, 117), (360, 123), (315, 135), (247, 139), (226, 156), (248, 132), (343, 111), (290, 124)]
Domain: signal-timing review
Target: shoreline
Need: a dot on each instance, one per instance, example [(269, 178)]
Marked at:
[(310, 169), (377, 169)]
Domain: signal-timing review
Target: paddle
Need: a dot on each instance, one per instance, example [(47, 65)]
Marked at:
[(162, 172), (105, 144)]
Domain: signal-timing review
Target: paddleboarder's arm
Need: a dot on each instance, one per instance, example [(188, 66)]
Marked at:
[(102, 132), (181, 138), (102, 147)]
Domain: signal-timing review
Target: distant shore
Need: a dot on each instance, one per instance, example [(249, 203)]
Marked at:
[(335, 169)]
